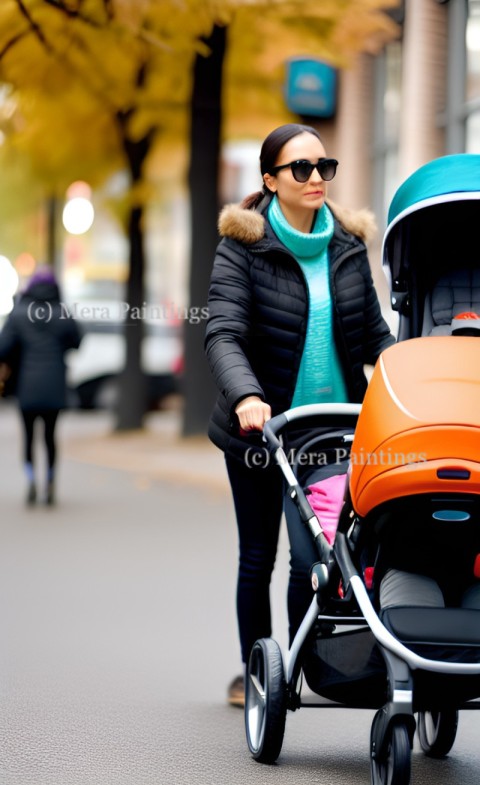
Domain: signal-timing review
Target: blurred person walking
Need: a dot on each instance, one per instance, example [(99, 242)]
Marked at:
[(293, 319), (33, 343)]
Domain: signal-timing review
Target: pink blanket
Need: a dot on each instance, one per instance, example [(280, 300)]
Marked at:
[(326, 500)]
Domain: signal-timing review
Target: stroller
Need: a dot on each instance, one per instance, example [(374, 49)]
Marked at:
[(430, 246), (411, 507)]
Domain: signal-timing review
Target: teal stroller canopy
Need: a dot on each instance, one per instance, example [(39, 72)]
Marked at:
[(432, 232), (445, 179)]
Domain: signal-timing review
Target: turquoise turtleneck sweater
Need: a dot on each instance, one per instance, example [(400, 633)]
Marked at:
[(320, 378)]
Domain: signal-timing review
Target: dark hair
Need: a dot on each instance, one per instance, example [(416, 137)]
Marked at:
[(269, 153)]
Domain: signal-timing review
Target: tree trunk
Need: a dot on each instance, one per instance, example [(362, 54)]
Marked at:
[(52, 223), (132, 400), (203, 178)]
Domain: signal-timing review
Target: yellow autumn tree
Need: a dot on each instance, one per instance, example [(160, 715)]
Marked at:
[(94, 86)]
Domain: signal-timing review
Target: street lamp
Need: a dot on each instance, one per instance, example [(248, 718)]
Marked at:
[(78, 213)]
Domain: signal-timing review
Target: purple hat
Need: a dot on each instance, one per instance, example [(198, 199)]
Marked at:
[(43, 274)]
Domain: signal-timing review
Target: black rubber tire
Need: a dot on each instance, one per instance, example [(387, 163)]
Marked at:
[(437, 731), (265, 701), (394, 768)]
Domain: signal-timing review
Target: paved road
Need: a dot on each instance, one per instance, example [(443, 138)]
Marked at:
[(117, 635)]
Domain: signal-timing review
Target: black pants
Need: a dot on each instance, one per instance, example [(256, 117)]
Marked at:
[(258, 496), (258, 500), (49, 418)]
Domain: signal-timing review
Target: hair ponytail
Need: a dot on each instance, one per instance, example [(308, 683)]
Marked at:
[(252, 201)]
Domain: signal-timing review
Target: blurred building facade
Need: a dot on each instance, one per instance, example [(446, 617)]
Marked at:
[(417, 99)]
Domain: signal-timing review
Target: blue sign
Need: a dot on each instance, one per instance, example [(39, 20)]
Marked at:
[(311, 88)]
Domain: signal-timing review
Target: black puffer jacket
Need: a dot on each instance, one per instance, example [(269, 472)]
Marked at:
[(34, 339), (258, 311)]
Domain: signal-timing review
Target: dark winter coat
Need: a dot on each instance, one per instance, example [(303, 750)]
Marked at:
[(258, 312), (34, 340)]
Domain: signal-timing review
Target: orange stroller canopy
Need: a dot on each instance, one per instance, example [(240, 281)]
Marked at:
[(419, 427)]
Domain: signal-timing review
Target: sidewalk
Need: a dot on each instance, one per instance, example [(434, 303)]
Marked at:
[(156, 452)]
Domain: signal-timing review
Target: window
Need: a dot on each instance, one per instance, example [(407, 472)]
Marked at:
[(388, 80), (472, 81)]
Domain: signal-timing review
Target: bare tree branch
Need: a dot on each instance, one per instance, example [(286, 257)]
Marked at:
[(75, 13), (63, 56), (108, 6), (35, 28), (12, 43)]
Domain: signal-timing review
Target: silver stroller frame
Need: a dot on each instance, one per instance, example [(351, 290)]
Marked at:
[(273, 683)]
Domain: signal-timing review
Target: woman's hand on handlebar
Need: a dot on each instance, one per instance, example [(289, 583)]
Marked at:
[(252, 414)]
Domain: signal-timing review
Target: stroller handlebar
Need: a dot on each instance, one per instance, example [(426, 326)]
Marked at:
[(274, 426), (271, 435), (271, 429)]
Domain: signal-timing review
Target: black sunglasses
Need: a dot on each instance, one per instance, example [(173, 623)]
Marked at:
[(302, 170)]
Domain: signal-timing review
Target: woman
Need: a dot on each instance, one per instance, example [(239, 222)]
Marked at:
[(34, 340), (293, 318)]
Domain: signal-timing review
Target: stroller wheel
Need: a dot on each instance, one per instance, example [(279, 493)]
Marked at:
[(437, 731), (265, 701), (394, 765)]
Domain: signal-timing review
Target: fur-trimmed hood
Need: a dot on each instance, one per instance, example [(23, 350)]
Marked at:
[(248, 226)]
